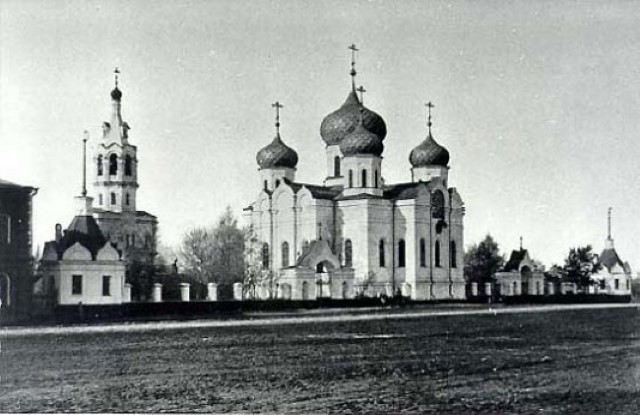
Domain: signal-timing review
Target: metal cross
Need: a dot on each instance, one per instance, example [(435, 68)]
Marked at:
[(116, 72), (353, 63), (521, 243), (362, 91), (429, 105), (609, 223), (277, 105)]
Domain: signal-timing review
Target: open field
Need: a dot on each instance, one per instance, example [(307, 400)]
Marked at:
[(570, 361)]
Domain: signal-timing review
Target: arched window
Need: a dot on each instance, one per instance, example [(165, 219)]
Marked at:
[(401, 253), (277, 182), (437, 205), (127, 165), (350, 178), (113, 165), (265, 255), (127, 199), (423, 253), (336, 166), (348, 253), (285, 254), (437, 253), (113, 198), (100, 166), (364, 178), (375, 179), (381, 252), (453, 253)]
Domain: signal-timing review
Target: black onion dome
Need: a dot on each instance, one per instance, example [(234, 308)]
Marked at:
[(429, 153), (116, 94), (344, 120), (277, 154), (361, 141)]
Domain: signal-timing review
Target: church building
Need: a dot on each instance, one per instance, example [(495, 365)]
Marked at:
[(80, 266), (115, 162), (614, 276), (355, 235)]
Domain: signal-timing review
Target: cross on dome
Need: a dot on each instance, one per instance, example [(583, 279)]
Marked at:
[(353, 72), (362, 91), (116, 72), (277, 105), (429, 105)]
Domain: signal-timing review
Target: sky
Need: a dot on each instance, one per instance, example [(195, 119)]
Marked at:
[(538, 104)]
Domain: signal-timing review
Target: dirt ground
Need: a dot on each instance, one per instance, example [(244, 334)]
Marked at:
[(579, 361)]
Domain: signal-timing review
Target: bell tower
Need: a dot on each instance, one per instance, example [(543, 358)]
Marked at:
[(115, 162)]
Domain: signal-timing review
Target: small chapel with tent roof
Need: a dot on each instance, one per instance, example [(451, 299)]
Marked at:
[(356, 235)]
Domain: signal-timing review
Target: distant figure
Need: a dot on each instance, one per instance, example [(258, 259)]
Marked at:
[(175, 266)]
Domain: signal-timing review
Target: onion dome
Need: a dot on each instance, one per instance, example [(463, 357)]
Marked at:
[(116, 95), (429, 153), (345, 119), (277, 154), (361, 141)]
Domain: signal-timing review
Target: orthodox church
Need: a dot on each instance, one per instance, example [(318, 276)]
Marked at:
[(355, 235), (81, 266), (133, 232), (86, 263)]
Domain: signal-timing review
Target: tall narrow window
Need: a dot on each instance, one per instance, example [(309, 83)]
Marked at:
[(76, 285), (113, 198), (100, 201), (265, 255), (285, 254), (106, 286), (350, 178), (127, 165), (5, 229), (100, 166), (423, 253), (364, 178), (265, 185), (401, 253), (336, 166), (127, 199), (381, 253), (437, 253), (453, 254), (437, 205), (375, 179), (113, 165), (348, 253)]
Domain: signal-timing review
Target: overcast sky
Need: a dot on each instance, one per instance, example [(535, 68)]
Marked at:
[(537, 102)]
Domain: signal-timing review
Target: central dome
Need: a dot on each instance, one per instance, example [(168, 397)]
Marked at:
[(277, 154), (361, 141), (345, 119)]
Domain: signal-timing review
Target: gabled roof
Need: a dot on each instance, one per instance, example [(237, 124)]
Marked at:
[(85, 230), (513, 264), (318, 192), (609, 258)]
